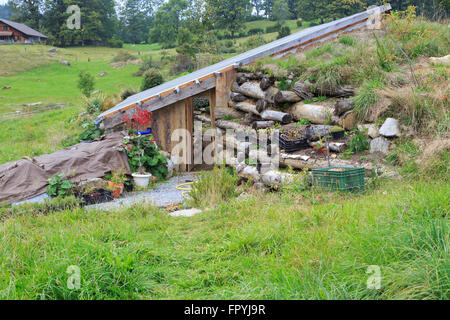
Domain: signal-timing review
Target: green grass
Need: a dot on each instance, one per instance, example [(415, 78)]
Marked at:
[(272, 246)]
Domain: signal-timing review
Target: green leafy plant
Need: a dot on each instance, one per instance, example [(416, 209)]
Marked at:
[(303, 122), (359, 143), (59, 186), (91, 132), (118, 176)]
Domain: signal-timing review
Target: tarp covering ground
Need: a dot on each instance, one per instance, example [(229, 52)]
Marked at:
[(27, 178)]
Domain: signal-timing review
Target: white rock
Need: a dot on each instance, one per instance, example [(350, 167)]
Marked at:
[(372, 130), (390, 128), (185, 213), (380, 145), (441, 60)]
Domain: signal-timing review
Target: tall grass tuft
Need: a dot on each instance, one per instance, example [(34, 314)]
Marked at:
[(213, 188)]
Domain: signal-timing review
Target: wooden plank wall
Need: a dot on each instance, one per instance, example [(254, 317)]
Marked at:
[(223, 88)]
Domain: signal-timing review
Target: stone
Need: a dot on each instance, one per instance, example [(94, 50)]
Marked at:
[(380, 145), (103, 74), (52, 50), (371, 129), (65, 63), (170, 168), (440, 60), (390, 128), (185, 213)]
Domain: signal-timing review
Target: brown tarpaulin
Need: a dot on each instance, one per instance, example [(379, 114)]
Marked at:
[(27, 178)]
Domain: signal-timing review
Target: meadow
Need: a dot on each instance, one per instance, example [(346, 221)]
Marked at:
[(287, 245), (36, 75)]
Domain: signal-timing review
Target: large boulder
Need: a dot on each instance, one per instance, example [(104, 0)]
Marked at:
[(390, 128), (380, 145)]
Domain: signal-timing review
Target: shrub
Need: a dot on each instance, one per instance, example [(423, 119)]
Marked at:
[(115, 43), (200, 103), (255, 31), (86, 83), (254, 42), (152, 78), (91, 132), (123, 56), (59, 186), (299, 23), (214, 187), (146, 64), (275, 28), (284, 32), (359, 143)]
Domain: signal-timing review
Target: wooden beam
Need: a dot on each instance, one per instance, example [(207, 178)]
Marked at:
[(161, 102)]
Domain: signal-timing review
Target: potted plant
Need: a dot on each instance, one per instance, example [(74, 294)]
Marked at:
[(338, 133), (141, 149), (117, 182)]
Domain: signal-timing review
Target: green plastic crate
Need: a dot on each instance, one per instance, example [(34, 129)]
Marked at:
[(340, 179)]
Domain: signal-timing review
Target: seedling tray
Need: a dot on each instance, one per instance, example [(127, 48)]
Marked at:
[(340, 179)]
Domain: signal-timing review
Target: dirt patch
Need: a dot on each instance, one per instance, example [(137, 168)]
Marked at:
[(431, 147)]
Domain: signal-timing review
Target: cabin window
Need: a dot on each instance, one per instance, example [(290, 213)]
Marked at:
[(5, 28)]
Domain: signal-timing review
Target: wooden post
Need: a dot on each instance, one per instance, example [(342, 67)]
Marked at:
[(212, 108), (224, 81), (189, 161)]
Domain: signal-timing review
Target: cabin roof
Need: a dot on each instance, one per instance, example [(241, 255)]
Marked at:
[(23, 28)]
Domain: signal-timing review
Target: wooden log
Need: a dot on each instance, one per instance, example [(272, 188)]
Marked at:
[(266, 83), (203, 118), (270, 95), (252, 89), (235, 87), (317, 114), (278, 116), (338, 91), (227, 112), (343, 106), (263, 124), (237, 97), (315, 132), (223, 124), (262, 105), (286, 97), (243, 77), (248, 107), (303, 90)]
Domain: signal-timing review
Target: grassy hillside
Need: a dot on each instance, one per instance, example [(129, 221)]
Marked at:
[(263, 246)]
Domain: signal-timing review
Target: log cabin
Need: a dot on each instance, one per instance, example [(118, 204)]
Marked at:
[(14, 32)]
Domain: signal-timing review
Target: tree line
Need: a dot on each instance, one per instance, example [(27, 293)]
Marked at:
[(173, 22)]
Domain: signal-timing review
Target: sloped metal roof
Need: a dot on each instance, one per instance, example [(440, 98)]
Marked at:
[(23, 28), (273, 48)]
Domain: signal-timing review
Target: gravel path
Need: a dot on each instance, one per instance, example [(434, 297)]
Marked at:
[(163, 195)]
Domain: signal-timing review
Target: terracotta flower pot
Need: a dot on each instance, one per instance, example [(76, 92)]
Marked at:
[(117, 188)]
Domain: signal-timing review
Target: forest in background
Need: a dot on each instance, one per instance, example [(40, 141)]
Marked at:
[(175, 22)]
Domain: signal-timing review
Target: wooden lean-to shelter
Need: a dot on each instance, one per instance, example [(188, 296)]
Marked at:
[(172, 102)]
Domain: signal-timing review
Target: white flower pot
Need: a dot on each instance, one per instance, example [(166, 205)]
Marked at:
[(141, 180)]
